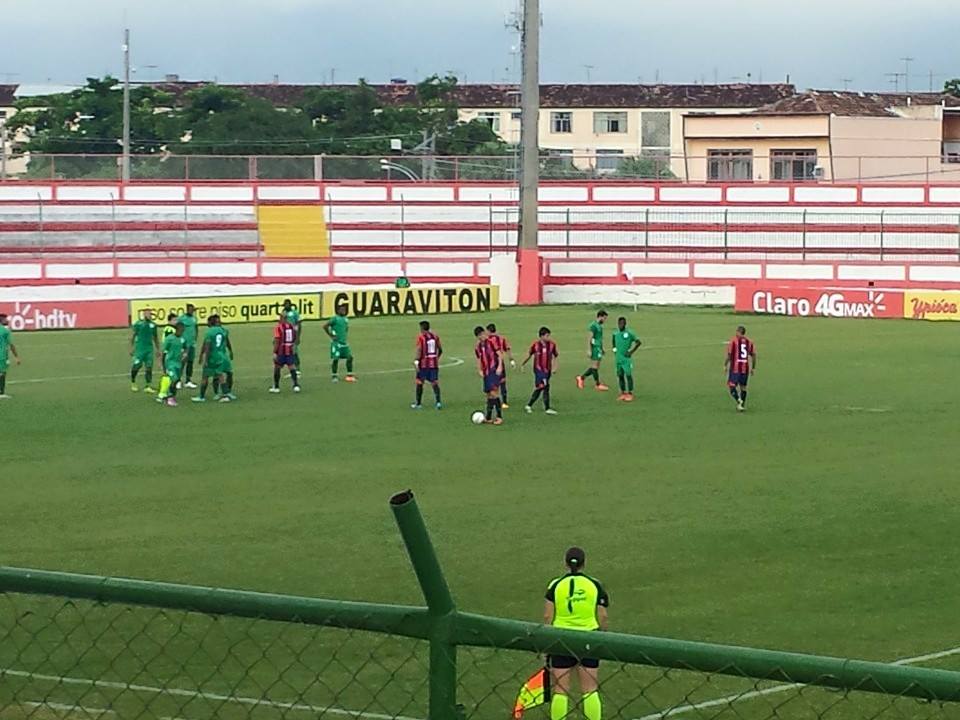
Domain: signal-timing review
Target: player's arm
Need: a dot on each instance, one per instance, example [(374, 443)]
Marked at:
[(156, 342), (230, 348), (529, 355), (328, 331), (726, 359), (589, 344), (636, 346), (13, 351), (133, 339), (548, 612), (417, 352), (509, 351), (753, 362), (603, 618), (204, 351), (499, 362)]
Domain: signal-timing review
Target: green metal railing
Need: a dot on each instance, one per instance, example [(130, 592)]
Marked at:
[(84, 646)]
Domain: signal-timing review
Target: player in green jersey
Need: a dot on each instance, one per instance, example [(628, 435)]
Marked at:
[(292, 316), (174, 353), (216, 358), (337, 328), (143, 343), (7, 348), (594, 352), (170, 328), (575, 601), (190, 332), (625, 344)]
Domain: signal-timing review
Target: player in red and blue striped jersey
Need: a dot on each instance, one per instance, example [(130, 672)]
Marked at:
[(284, 352), (544, 354), (740, 363), (426, 360), (490, 368), (503, 346)]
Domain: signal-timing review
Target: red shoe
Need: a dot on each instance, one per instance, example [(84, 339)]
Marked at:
[(622, 396), (602, 388), (628, 397), (580, 381), (498, 421), (350, 379)]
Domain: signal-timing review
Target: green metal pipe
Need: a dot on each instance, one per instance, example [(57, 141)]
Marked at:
[(425, 564), (392, 619), (481, 631)]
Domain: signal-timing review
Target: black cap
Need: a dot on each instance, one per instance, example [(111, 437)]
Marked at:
[(575, 558)]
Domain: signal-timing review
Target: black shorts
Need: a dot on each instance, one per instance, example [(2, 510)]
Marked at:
[(565, 662)]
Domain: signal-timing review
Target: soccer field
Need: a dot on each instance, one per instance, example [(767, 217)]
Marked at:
[(822, 520)]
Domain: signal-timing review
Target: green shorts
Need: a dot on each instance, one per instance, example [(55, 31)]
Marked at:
[(4, 364), (340, 351), (625, 366), (143, 357), (596, 353), (174, 372)]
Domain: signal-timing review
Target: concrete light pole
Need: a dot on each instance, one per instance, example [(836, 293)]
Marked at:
[(529, 291)]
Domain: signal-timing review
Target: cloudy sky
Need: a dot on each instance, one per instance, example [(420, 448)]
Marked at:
[(819, 43)]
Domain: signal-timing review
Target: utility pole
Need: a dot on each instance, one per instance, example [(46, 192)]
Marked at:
[(906, 73), (125, 158), (3, 149), (529, 288), (588, 69), (846, 83)]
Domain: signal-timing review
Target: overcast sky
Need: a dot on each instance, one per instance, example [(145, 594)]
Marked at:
[(818, 43)]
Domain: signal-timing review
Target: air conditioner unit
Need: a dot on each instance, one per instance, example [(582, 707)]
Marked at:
[(818, 173)]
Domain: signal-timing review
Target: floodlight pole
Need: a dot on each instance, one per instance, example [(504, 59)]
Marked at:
[(529, 289), (125, 157)]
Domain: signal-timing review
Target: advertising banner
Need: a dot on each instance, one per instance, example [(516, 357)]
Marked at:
[(232, 310), (413, 301), (819, 302), (929, 305), (65, 314)]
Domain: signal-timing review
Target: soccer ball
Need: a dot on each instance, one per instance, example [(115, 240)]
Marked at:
[(477, 418)]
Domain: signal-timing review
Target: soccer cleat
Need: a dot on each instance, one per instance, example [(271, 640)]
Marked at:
[(198, 399), (350, 379), (527, 409), (134, 388), (233, 398), (149, 390), (171, 402), (4, 396), (224, 399), (628, 397), (179, 385), (415, 406), (498, 421), (192, 385), (296, 388), (740, 406), (504, 406), (335, 379), (580, 381), (439, 406), (622, 396), (551, 411), (601, 388), (274, 390)]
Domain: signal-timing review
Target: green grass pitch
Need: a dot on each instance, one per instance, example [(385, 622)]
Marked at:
[(822, 520)]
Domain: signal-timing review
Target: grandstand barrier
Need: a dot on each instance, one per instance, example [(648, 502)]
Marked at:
[(79, 645)]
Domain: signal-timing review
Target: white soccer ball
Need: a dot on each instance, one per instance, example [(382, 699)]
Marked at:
[(477, 418)]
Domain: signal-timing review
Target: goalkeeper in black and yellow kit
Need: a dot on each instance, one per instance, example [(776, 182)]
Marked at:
[(576, 602)]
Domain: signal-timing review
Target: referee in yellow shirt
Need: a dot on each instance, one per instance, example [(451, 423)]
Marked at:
[(576, 602)]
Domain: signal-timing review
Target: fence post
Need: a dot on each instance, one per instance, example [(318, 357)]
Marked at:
[(726, 232), (40, 218), (329, 211), (567, 233), (646, 234), (958, 237), (113, 224), (803, 255), (881, 235), (186, 228), (441, 609), (490, 234), (403, 227)]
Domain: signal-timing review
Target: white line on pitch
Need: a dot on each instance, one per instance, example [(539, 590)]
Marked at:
[(730, 699), (180, 692), (85, 709), (454, 362)]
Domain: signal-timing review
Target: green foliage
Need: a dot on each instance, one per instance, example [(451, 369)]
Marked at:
[(214, 119), (645, 168), (952, 87)]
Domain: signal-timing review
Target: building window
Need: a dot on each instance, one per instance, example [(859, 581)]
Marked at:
[(951, 151), (561, 122), (730, 165), (516, 115), (609, 160), (793, 165), (655, 131), (490, 118), (609, 122)]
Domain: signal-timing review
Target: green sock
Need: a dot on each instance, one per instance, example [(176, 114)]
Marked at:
[(148, 375), (591, 706), (335, 367), (630, 383), (559, 706)]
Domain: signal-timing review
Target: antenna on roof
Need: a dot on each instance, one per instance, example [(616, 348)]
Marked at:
[(846, 83)]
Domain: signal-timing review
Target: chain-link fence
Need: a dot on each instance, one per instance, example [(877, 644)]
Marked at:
[(84, 647), (605, 164)]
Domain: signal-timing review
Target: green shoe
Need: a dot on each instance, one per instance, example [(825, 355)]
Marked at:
[(233, 398), (134, 388), (198, 399)]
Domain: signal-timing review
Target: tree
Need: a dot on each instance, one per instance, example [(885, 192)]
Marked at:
[(655, 168), (952, 87)]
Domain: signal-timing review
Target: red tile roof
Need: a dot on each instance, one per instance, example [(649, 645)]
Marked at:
[(833, 102)]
